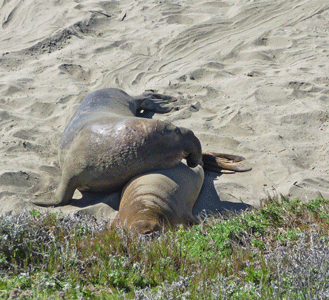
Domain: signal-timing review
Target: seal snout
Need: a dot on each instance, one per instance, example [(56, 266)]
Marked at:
[(193, 147)]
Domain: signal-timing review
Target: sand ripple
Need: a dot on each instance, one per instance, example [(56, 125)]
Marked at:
[(251, 78)]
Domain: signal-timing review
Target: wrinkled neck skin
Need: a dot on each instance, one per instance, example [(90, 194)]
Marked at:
[(159, 199)]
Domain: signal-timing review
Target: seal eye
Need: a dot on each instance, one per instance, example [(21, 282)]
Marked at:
[(177, 130)]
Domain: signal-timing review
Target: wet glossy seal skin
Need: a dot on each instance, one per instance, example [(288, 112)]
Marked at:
[(155, 200), (105, 144)]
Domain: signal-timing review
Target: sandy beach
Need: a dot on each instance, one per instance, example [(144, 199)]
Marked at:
[(251, 78)]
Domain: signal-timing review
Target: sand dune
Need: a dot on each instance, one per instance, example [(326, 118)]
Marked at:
[(251, 78)]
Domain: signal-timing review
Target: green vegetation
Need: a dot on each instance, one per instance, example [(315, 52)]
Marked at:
[(278, 251)]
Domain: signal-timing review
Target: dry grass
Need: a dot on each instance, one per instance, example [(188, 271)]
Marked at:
[(279, 251)]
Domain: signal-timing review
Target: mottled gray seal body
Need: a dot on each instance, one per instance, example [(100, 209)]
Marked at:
[(105, 144)]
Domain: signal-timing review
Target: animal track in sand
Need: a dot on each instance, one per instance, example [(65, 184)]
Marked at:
[(76, 71), (22, 180)]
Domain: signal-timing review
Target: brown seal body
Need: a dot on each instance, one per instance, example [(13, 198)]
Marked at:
[(160, 198), (165, 198), (105, 144)]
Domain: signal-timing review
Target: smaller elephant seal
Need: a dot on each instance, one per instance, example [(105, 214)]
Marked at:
[(165, 198), (105, 144)]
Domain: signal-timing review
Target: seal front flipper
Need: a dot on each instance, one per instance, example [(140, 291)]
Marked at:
[(44, 199), (62, 196), (217, 162), (154, 102)]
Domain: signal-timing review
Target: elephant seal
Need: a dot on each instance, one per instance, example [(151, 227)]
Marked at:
[(105, 144), (159, 199), (165, 198)]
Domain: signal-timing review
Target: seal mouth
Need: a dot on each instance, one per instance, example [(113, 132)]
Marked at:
[(193, 160), (194, 150)]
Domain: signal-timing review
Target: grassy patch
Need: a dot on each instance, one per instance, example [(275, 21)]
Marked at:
[(279, 251)]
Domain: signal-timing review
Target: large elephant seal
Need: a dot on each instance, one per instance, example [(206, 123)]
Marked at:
[(165, 198), (105, 144), (158, 199)]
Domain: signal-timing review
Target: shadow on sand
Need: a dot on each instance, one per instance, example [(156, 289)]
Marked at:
[(209, 202), (104, 206)]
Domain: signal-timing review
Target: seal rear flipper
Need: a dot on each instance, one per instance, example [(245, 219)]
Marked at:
[(154, 102), (217, 162)]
